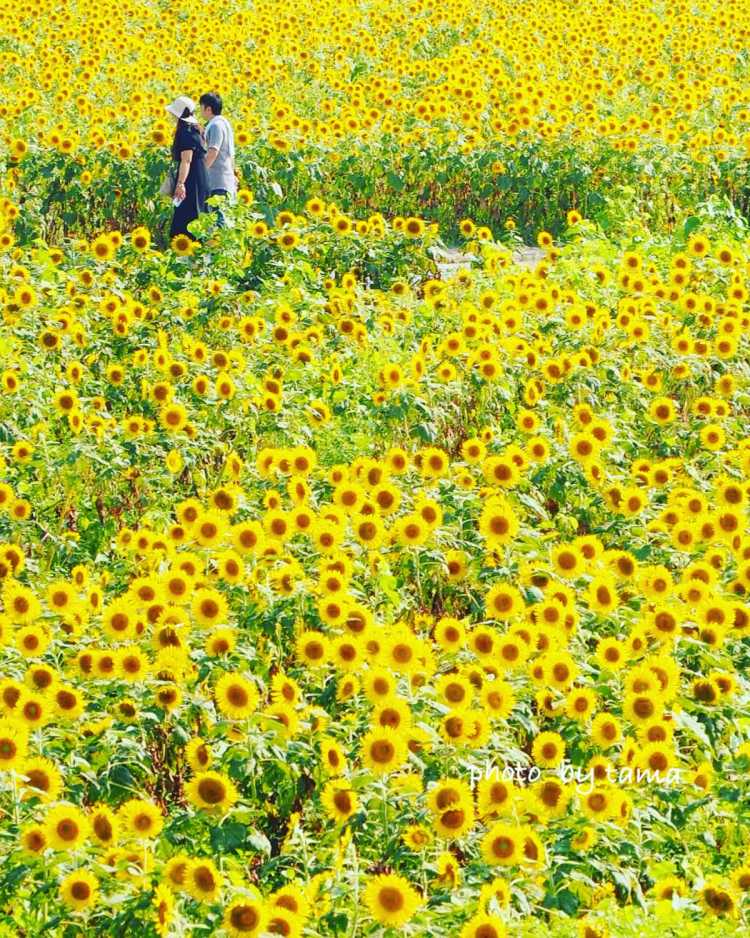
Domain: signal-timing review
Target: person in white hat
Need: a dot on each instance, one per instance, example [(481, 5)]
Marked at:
[(189, 152)]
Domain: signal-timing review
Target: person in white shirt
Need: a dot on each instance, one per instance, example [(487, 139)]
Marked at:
[(220, 157)]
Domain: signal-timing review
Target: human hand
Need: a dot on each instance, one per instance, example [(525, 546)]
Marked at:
[(179, 190)]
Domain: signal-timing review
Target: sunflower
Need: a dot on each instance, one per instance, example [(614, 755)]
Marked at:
[(413, 227), (105, 825), (741, 878), (198, 754), (236, 697), (40, 677), (484, 641), (584, 840), (379, 685), (140, 819), (339, 800), (247, 537), (210, 528), (394, 714), (548, 750), (498, 891), (698, 245), (657, 757), (183, 245), (400, 651), (411, 530), (119, 620), (285, 689), (552, 797), (712, 437), (281, 921), (132, 663), (719, 897), (484, 926), (33, 839), (102, 248), (42, 779), (332, 757), (246, 917), (313, 647), (66, 827), (391, 900), (580, 704), (512, 651), (610, 654), (281, 718), (455, 689), (292, 898), (140, 239), (605, 730), (589, 928), (79, 890), (458, 726), (173, 417), (567, 560), (662, 410), (383, 751), (584, 448), (221, 642), (212, 792), (21, 605), (14, 743), (457, 562), (455, 819), (503, 602), (502, 845), (203, 880), (559, 669), (496, 797), (498, 523), (347, 653), (498, 698), (175, 872), (449, 633), (369, 531), (597, 804), (417, 837), (230, 566), (209, 607), (665, 889), (163, 910), (642, 707), (601, 594), (502, 470), (315, 207)]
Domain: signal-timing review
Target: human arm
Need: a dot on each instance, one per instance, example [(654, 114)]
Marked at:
[(214, 141), (186, 157)]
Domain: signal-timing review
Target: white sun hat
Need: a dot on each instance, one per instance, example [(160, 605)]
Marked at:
[(178, 106)]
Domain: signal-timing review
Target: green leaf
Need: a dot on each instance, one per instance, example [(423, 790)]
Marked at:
[(229, 837), (690, 226)]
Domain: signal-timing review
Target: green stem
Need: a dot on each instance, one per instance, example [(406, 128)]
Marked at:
[(384, 810), (355, 921)]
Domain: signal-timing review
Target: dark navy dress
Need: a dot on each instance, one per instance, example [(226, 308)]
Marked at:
[(188, 137)]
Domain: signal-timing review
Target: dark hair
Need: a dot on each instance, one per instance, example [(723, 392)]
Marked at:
[(212, 100)]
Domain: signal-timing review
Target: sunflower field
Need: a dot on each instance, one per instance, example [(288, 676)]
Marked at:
[(344, 593)]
